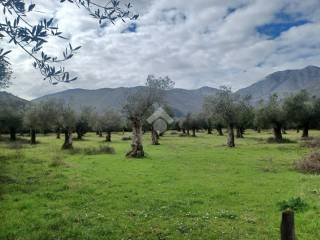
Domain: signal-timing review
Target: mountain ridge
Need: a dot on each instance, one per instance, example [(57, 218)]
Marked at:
[(182, 100)]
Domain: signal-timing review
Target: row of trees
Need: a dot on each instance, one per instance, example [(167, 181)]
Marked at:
[(56, 115), (223, 110), (227, 110)]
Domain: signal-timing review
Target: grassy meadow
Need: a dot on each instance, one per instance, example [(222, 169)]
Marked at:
[(186, 188)]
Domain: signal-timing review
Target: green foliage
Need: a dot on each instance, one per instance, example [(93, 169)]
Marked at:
[(270, 114), (296, 204)]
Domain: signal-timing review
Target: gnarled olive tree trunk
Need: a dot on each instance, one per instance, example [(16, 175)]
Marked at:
[(230, 141), (13, 134), (193, 132), (240, 132), (108, 136), (209, 130), (277, 133), (305, 133), (136, 146), (67, 139), (154, 137), (219, 130), (58, 133), (33, 136)]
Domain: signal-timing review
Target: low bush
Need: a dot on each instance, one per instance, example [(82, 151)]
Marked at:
[(295, 204), (310, 164), (126, 138), (102, 149), (284, 140), (311, 143), (57, 161)]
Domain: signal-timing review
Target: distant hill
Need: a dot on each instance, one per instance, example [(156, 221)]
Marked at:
[(285, 83), (182, 101), (8, 99)]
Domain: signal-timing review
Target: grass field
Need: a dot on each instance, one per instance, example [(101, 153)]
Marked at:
[(186, 188)]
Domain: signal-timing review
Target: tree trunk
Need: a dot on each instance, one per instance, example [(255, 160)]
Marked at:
[(12, 134), (79, 135), (58, 133), (259, 130), (154, 137), (239, 132), (284, 131), (277, 134), (67, 139), (188, 132), (33, 136), (209, 130), (108, 137), (193, 132), (136, 146), (230, 136), (183, 131), (305, 133), (100, 133), (219, 130)]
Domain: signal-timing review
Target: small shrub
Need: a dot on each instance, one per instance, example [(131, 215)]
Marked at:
[(295, 204), (174, 133), (126, 138), (57, 161), (183, 135), (284, 140), (311, 143), (310, 164), (15, 145), (102, 149)]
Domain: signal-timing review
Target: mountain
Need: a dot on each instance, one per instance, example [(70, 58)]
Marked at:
[(7, 99), (285, 83), (182, 101)]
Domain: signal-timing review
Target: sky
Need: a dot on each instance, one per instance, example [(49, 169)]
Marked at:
[(196, 43)]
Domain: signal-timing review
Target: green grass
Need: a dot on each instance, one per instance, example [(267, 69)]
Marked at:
[(186, 188)]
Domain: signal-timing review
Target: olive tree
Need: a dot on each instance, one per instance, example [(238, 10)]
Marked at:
[(224, 105), (301, 110), (83, 120), (68, 116), (271, 114), (139, 106), (245, 116), (32, 121), (111, 121), (11, 119)]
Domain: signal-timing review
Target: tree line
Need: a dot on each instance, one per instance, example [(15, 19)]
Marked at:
[(223, 110)]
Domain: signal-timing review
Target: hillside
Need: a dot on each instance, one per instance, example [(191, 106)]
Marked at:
[(182, 101), (8, 99), (285, 83)]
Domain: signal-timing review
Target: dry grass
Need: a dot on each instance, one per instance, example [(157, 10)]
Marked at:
[(310, 164), (311, 143)]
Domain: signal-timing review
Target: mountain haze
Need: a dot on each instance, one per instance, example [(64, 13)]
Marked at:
[(182, 101)]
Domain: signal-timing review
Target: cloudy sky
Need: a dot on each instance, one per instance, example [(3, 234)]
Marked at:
[(196, 43)]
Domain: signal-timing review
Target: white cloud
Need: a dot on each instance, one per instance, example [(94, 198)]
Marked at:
[(196, 43)]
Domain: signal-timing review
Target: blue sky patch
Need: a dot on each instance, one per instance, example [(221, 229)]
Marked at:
[(132, 28), (282, 24)]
